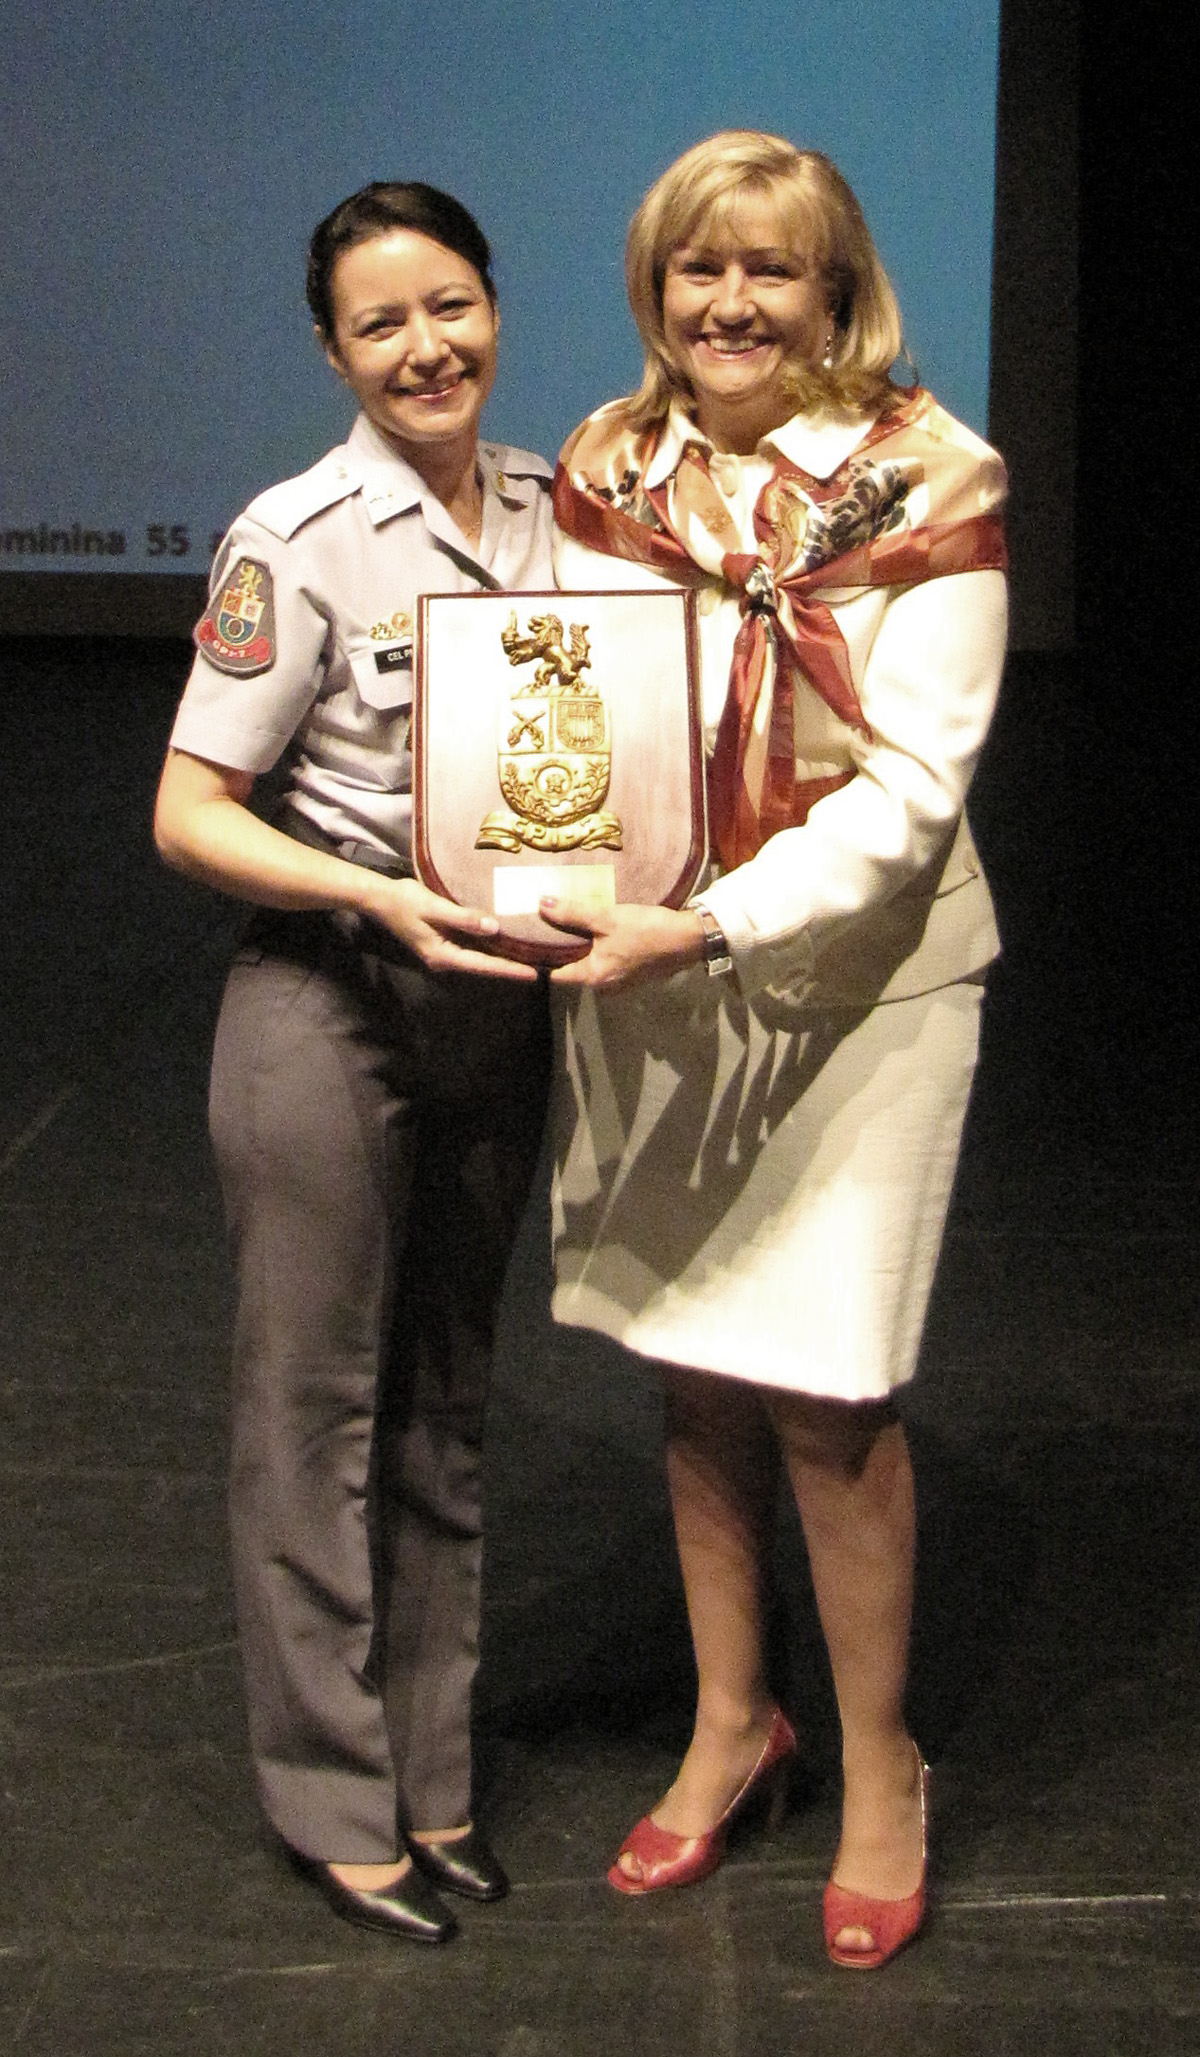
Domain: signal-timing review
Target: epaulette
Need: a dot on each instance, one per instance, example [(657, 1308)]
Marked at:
[(284, 508), (517, 464)]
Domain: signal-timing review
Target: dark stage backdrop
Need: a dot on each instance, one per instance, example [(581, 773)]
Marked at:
[(162, 168)]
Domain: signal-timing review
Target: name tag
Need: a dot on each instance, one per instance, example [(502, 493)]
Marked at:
[(398, 658)]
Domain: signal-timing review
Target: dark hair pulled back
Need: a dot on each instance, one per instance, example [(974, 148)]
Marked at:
[(375, 209)]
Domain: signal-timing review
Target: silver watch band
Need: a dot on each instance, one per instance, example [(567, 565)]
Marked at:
[(717, 961)]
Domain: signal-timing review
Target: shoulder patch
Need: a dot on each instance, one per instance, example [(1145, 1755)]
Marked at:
[(236, 632)]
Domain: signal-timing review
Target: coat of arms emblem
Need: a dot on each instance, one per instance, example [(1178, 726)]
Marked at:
[(237, 630), (554, 747), (554, 761)]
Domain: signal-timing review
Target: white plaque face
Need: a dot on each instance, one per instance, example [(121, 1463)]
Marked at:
[(557, 753)]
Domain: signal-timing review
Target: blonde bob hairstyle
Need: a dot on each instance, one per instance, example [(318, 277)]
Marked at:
[(820, 222)]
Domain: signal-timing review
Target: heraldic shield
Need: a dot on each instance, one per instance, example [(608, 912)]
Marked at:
[(556, 750)]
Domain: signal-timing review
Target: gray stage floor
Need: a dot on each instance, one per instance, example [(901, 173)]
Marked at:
[(1054, 1427)]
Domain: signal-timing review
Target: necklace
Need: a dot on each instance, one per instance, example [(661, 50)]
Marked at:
[(471, 521)]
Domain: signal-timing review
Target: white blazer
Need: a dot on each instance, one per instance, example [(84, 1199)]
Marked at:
[(880, 894)]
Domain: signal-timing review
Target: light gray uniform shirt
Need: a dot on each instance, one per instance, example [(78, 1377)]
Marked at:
[(305, 653)]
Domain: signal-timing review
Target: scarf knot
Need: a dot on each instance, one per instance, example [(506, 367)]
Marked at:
[(757, 584)]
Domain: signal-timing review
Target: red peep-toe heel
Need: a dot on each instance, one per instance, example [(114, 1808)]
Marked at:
[(889, 1923), (665, 1859)]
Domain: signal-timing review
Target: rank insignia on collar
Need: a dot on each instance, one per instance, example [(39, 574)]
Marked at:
[(237, 630)]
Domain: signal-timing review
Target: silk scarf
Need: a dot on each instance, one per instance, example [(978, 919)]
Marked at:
[(917, 498)]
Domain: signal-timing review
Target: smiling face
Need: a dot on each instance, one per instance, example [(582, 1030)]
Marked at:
[(739, 308), (414, 336)]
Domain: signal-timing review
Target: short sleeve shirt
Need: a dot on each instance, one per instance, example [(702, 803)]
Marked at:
[(304, 656)]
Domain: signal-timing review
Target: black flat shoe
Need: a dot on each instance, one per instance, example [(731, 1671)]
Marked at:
[(466, 1865), (408, 1908)]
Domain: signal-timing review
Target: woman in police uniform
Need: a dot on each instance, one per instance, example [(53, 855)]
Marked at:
[(378, 1078)]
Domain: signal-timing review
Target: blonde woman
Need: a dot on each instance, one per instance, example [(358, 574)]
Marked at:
[(764, 1092)]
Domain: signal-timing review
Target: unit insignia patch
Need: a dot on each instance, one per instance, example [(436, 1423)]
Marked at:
[(237, 630)]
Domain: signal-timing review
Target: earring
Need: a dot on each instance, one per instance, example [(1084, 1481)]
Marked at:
[(827, 360)]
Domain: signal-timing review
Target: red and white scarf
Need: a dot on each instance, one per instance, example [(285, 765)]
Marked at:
[(917, 498)]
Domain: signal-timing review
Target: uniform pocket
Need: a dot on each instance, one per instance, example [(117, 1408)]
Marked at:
[(383, 676)]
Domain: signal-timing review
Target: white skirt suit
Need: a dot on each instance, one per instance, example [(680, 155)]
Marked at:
[(752, 1173)]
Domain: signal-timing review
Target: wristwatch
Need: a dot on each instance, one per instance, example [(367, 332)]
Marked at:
[(717, 960)]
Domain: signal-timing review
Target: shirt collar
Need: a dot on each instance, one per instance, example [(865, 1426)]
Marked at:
[(678, 431), (818, 443), (512, 474), (388, 484)]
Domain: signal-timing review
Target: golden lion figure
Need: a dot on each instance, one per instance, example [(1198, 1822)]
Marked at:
[(561, 661)]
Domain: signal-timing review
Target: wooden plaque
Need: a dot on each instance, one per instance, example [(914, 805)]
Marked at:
[(557, 750)]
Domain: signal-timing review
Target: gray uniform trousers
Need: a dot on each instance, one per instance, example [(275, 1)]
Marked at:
[(376, 1128)]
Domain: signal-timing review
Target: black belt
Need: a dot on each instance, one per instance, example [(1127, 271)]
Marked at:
[(303, 830)]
